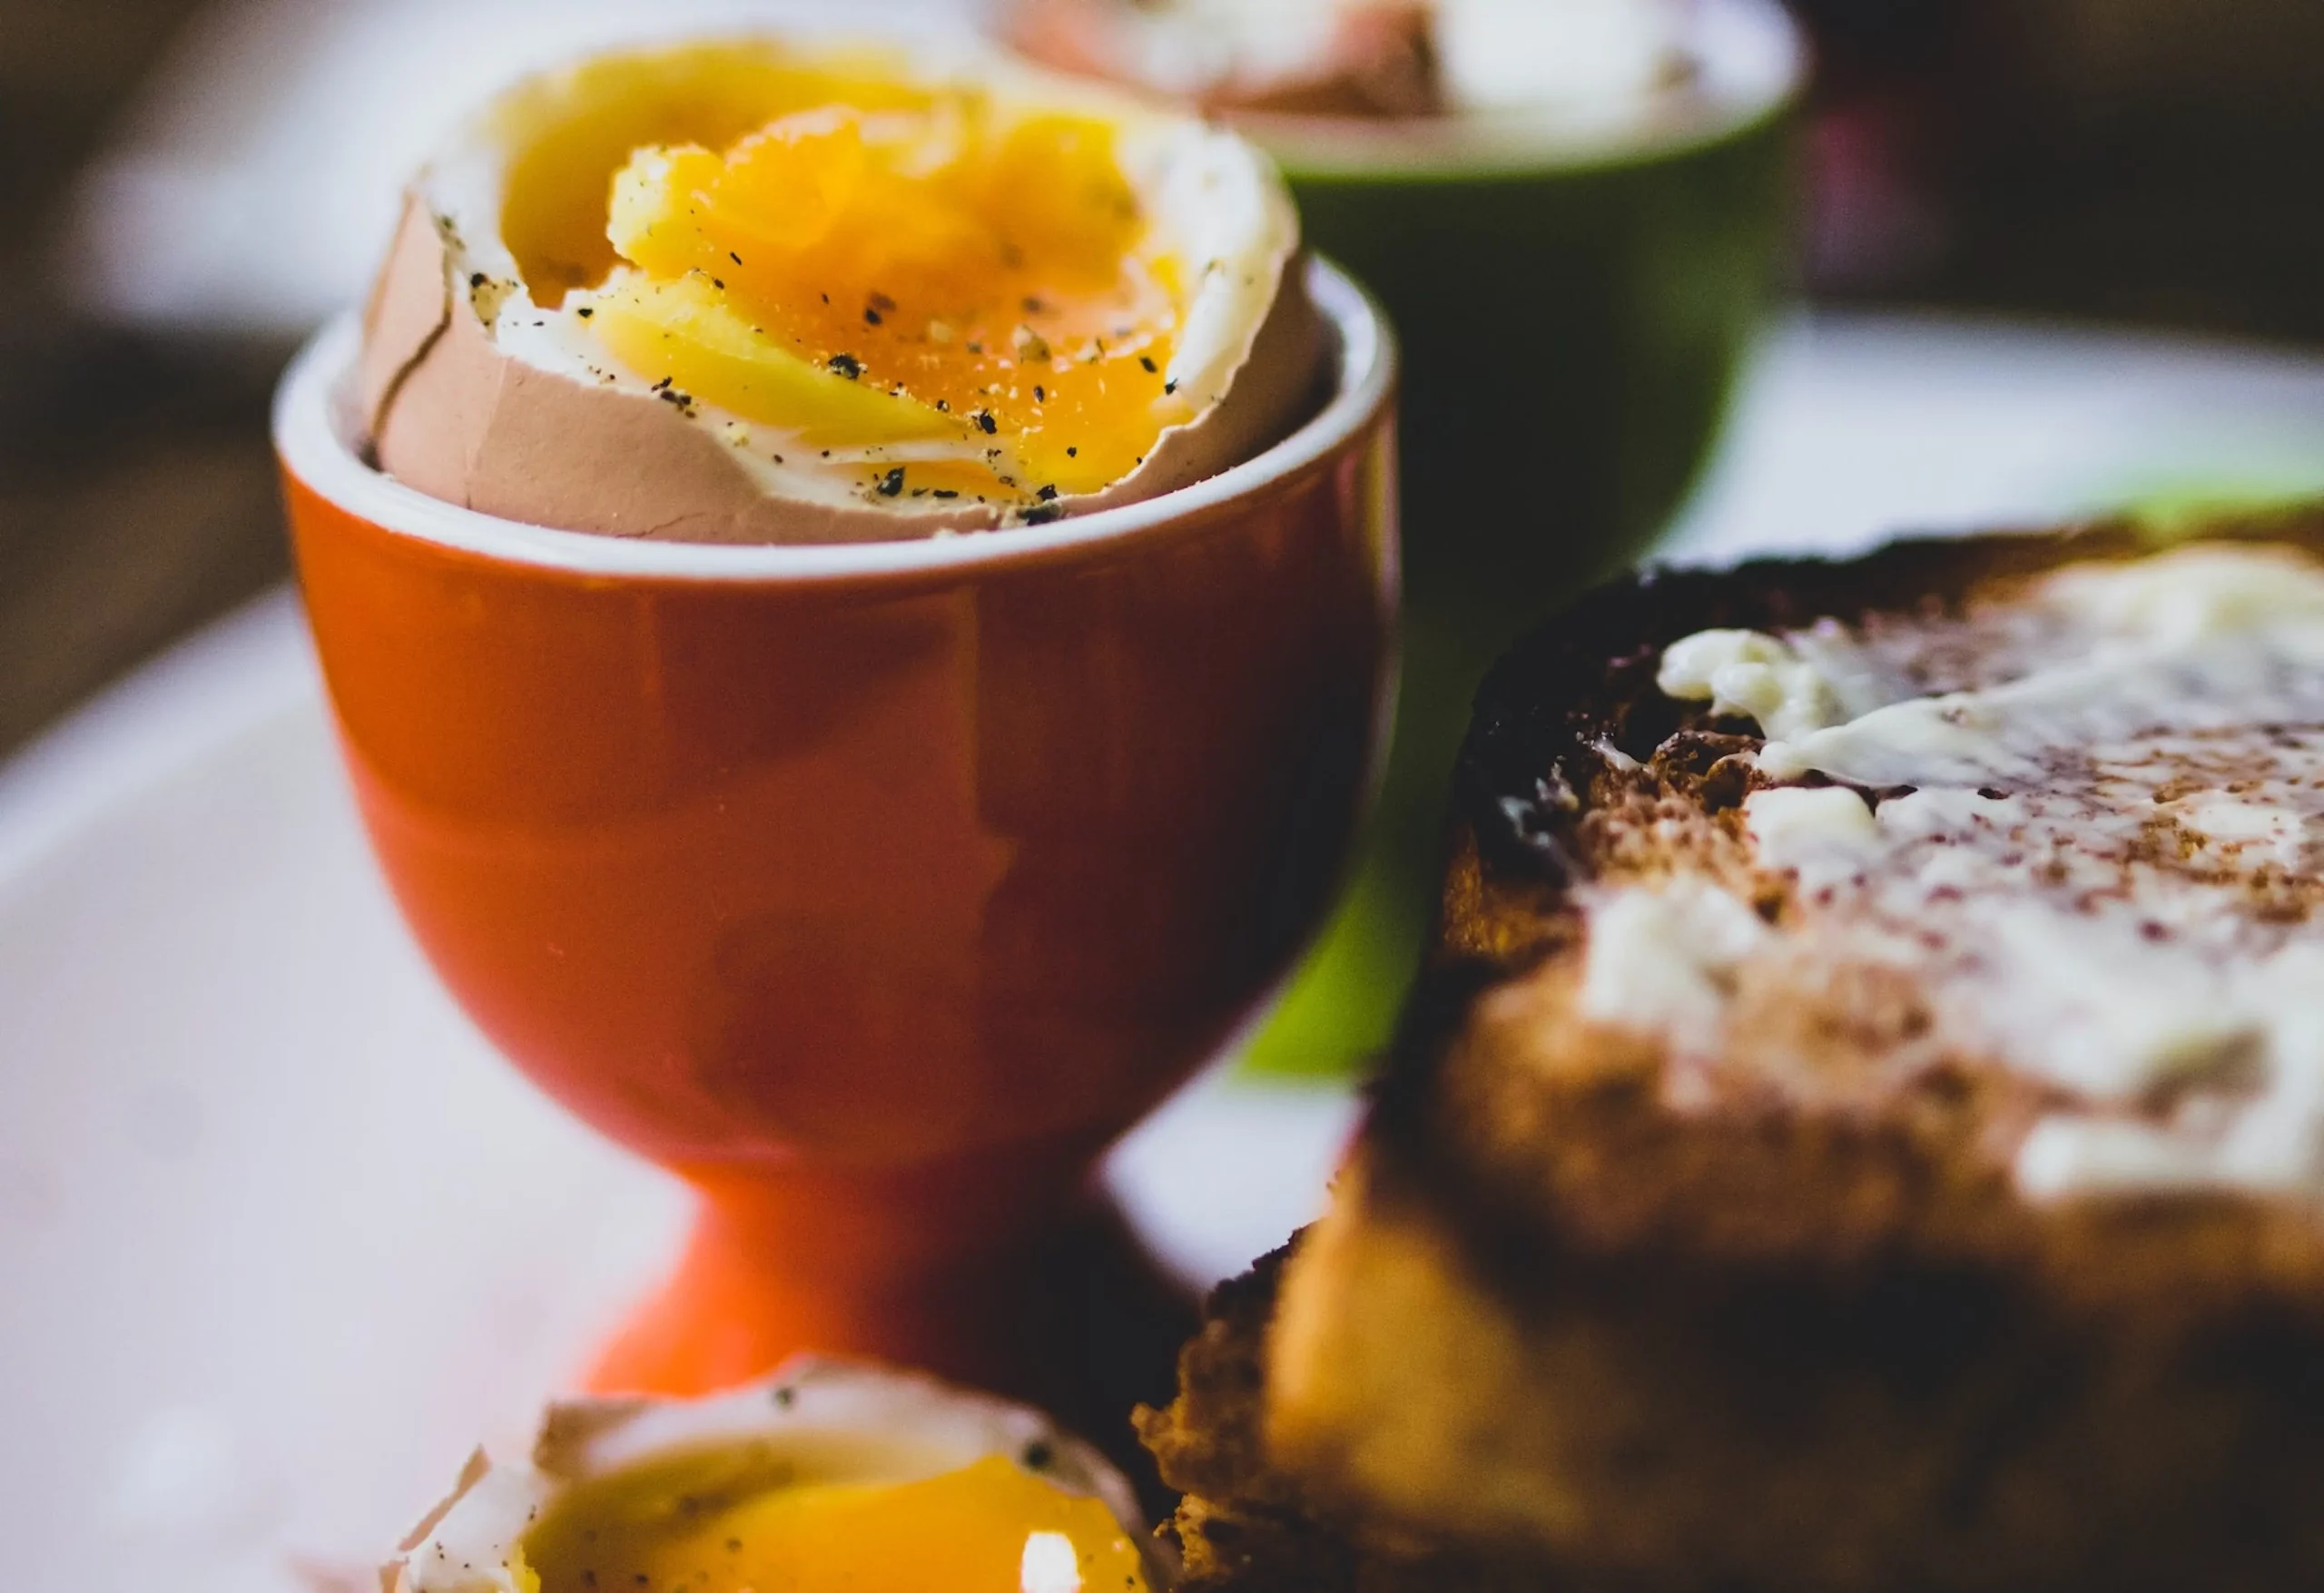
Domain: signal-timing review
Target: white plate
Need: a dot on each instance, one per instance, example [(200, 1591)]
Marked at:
[(280, 1237)]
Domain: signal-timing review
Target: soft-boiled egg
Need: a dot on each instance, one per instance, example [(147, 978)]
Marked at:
[(829, 1478), (748, 292)]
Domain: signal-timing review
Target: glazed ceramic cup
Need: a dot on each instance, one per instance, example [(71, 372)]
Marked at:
[(874, 890), (1575, 299)]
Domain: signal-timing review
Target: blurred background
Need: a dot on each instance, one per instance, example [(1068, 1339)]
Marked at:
[(186, 184)]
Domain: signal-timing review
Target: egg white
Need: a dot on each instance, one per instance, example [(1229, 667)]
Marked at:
[(845, 1421)]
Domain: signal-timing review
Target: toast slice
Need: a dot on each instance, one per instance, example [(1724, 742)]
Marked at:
[(1862, 1125)]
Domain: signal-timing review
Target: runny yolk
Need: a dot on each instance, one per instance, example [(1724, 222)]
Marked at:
[(990, 1528), (962, 299)]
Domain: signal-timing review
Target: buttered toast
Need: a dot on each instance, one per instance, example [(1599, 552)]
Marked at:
[(1861, 1129)]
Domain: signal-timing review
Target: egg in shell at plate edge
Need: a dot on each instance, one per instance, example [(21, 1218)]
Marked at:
[(749, 292), (829, 1477)]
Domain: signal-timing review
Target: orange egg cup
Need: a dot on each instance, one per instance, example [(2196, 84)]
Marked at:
[(874, 890)]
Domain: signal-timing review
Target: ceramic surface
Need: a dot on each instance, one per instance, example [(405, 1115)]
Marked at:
[(874, 890)]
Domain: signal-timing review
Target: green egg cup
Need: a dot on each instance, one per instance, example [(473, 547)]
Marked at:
[(1572, 330)]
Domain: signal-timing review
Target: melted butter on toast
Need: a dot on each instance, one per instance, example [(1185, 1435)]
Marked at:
[(2085, 817)]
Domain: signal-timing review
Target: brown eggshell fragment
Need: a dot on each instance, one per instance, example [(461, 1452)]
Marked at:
[(452, 414), (392, 1575), (1275, 391)]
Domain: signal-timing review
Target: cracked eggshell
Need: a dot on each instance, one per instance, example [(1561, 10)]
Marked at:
[(466, 1543), (472, 393)]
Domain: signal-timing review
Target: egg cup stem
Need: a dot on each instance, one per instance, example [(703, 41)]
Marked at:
[(1020, 1280)]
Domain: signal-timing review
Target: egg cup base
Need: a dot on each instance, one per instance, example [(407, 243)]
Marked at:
[(1075, 1316)]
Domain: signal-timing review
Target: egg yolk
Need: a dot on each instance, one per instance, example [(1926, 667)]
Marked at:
[(955, 298), (570, 132), (990, 1528)]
